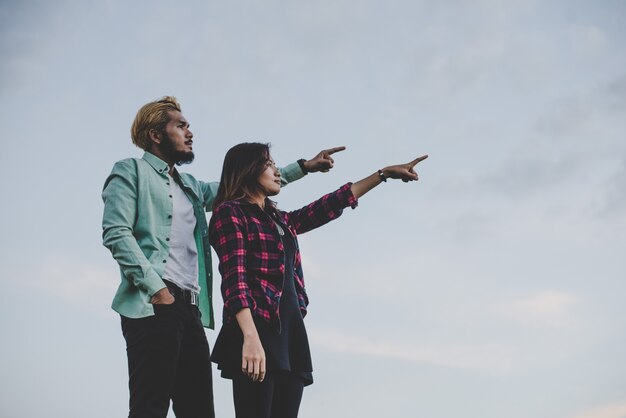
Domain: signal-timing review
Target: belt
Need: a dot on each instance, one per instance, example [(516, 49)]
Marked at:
[(187, 296)]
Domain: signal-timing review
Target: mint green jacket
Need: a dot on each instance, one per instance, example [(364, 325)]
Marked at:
[(137, 222)]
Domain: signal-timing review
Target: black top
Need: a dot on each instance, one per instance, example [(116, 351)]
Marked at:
[(287, 350)]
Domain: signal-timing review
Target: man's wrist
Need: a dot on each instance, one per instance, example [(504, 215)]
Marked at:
[(302, 163)]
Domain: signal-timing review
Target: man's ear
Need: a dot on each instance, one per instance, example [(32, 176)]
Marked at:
[(154, 136)]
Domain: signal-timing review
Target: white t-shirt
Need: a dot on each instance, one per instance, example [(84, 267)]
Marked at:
[(182, 263)]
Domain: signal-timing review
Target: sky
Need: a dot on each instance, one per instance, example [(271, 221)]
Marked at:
[(491, 288)]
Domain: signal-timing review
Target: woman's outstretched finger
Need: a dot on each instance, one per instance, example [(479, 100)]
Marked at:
[(417, 160)]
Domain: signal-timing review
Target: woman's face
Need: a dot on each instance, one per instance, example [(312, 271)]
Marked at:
[(269, 180)]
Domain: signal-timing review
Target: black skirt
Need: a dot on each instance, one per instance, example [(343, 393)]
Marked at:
[(287, 350)]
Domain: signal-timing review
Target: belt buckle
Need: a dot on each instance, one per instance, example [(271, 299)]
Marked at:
[(194, 298)]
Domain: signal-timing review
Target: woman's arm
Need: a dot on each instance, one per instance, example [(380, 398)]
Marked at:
[(400, 171), (321, 211), (331, 206), (227, 232), (227, 235), (252, 353)]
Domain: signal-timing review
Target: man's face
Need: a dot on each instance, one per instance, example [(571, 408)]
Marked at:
[(176, 140)]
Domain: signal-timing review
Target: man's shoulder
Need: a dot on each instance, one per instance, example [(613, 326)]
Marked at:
[(188, 176), (132, 165), (126, 163), (190, 180)]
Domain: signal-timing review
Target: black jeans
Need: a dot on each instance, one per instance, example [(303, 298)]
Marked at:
[(278, 396), (169, 358)]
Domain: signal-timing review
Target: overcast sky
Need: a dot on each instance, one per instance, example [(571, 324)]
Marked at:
[(493, 287)]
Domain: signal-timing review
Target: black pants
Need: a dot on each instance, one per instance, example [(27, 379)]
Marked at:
[(278, 396), (168, 358)]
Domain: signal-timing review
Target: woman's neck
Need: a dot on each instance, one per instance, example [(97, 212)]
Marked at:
[(258, 199)]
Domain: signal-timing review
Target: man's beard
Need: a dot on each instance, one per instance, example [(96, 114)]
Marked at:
[(177, 157)]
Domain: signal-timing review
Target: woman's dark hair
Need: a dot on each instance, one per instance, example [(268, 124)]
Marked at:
[(243, 164)]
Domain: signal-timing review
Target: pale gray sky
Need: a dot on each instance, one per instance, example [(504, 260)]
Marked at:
[(491, 288)]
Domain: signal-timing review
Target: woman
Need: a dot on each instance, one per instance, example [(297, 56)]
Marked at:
[(263, 345)]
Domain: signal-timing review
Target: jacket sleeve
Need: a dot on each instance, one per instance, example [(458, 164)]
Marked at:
[(227, 232), (209, 191), (323, 210), (290, 173), (120, 211)]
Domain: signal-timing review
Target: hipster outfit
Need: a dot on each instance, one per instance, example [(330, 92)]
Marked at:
[(155, 226), (260, 264)]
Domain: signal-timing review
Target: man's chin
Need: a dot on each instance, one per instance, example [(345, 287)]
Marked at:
[(184, 157)]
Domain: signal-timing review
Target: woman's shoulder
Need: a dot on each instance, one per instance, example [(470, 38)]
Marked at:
[(239, 208), (227, 214), (229, 206)]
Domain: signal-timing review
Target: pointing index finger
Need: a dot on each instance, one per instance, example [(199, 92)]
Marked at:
[(417, 160), (334, 150)]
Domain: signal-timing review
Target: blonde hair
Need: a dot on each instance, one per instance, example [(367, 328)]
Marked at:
[(154, 115)]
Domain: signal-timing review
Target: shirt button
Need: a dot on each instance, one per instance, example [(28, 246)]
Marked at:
[(165, 261), (168, 183), (170, 195), (169, 216), (167, 239)]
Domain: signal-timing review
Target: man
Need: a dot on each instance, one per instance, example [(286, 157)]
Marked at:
[(154, 224)]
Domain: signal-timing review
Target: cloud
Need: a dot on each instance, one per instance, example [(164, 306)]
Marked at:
[(615, 93), (546, 309), (588, 40), (524, 175), (75, 281), (490, 358), (617, 410), (571, 146), (615, 200)]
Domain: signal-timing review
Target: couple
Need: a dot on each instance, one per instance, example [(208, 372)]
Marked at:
[(154, 224)]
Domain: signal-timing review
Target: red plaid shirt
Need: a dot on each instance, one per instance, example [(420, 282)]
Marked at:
[(251, 254)]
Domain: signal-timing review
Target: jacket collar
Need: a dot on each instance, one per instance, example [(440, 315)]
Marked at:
[(163, 168), (156, 163), (244, 202)]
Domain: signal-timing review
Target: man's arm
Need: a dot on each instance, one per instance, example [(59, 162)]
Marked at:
[(322, 162), (295, 171), (120, 211)]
